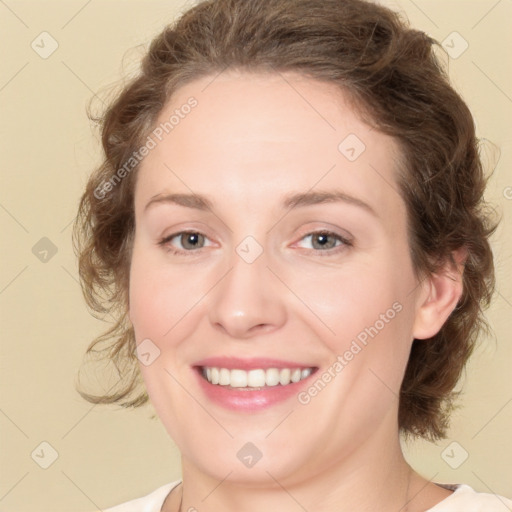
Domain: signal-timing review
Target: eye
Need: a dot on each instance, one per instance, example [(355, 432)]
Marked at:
[(186, 241), (326, 241)]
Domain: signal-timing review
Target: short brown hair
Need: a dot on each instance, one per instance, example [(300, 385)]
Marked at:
[(397, 84)]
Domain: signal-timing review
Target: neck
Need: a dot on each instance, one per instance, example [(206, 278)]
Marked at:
[(368, 479)]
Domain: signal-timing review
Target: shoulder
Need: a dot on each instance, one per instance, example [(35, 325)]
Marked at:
[(467, 499), (464, 498), (152, 502)]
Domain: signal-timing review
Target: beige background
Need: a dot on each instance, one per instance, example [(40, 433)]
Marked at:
[(105, 454)]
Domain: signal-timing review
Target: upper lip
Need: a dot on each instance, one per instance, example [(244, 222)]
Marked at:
[(233, 363)]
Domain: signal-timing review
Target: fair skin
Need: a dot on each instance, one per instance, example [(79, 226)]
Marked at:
[(251, 141)]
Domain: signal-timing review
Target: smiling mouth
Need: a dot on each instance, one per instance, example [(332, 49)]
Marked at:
[(254, 379)]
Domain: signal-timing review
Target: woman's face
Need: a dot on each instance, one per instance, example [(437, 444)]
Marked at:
[(296, 263)]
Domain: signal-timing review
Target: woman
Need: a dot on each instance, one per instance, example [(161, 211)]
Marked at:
[(289, 225)]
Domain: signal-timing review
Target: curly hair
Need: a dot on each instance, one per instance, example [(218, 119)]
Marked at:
[(397, 84)]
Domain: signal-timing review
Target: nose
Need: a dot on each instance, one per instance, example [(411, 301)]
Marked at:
[(248, 300)]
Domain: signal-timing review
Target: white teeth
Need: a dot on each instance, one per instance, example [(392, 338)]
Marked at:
[(224, 377), (305, 373), (255, 378), (296, 374), (284, 376), (238, 379), (272, 377)]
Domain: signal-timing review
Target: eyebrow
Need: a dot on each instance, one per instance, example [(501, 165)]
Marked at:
[(320, 197), (290, 202), (188, 200)]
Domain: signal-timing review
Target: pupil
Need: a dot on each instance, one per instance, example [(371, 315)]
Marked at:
[(191, 240), (323, 240)]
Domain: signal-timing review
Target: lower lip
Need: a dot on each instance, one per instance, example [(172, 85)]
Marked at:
[(249, 400)]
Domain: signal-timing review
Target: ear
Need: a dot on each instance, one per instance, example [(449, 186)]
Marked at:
[(439, 296)]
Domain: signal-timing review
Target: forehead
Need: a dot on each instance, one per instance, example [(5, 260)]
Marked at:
[(255, 137)]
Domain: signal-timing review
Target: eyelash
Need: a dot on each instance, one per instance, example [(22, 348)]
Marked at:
[(164, 242)]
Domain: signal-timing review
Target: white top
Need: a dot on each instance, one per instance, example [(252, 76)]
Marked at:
[(463, 499)]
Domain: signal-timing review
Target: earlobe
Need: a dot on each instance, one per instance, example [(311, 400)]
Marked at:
[(439, 296)]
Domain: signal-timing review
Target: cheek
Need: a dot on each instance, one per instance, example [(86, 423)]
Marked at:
[(351, 300), (162, 309), (150, 305), (159, 296), (367, 313)]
